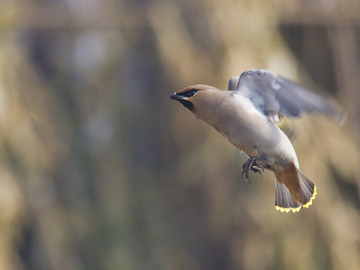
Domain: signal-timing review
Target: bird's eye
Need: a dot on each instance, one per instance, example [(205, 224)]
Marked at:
[(190, 93)]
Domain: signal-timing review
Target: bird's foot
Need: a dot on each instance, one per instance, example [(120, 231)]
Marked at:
[(253, 165)]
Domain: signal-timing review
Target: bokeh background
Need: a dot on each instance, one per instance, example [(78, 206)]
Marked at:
[(99, 169)]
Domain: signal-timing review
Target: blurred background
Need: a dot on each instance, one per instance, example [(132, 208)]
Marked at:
[(99, 169)]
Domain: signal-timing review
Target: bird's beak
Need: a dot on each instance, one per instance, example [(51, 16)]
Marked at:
[(183, 100), (175, 96)]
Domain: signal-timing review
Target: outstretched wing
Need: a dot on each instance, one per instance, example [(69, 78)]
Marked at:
[(275, 96)]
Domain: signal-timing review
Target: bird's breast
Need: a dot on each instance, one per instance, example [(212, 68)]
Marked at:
[(238, 120)]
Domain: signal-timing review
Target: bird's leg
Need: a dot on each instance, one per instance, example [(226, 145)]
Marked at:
[(252, 164)]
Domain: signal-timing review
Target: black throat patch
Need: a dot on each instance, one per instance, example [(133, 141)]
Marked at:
[(187, 104)]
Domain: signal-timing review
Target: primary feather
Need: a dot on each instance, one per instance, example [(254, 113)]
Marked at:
[(274, 95)]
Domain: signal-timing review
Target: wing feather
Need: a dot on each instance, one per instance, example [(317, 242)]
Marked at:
[(274, 95)]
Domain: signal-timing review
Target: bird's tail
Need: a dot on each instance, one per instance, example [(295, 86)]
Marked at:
[(293, 190)]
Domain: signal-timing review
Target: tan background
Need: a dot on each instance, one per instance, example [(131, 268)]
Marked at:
[(99, 169)]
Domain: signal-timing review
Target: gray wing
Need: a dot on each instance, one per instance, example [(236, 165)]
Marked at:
[(275, 95)]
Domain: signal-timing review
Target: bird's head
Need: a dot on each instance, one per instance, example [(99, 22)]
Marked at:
[(194, 96)]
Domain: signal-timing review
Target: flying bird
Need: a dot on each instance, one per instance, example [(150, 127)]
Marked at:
[(248, 115)]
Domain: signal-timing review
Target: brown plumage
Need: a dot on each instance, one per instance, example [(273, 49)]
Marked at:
[(247, 116)]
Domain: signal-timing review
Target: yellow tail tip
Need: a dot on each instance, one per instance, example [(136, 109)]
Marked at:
[(297, 209), (287, 210), (311, 199)]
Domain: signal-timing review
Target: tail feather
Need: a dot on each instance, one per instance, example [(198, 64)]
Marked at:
[(308, 190), (284, 201), (293, 190)]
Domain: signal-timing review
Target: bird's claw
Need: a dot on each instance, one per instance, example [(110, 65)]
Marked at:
[(253, 165)]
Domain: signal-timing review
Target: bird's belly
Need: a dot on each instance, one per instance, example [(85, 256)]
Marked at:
[(249, 137), (258, 137), (246, 141)]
